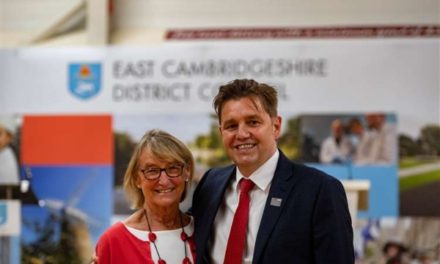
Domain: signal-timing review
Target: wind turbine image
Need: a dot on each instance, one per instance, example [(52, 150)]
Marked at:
[(74, 222)]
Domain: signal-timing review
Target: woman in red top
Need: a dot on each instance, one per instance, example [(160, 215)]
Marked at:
[(155, 181)]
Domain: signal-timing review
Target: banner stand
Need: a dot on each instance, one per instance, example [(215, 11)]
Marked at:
[(357, 196)]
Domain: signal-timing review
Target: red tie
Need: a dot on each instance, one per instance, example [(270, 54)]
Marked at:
[(237, 235)]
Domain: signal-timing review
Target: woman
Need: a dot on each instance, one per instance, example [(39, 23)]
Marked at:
[(155, 181)]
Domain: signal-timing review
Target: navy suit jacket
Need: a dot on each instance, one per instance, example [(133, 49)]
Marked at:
[(312, 224)]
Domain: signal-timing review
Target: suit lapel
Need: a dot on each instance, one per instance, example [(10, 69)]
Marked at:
[(282, 182), (220, 183), (217, 186)]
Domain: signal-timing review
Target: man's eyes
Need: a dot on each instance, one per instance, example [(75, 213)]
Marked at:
[(230, 126), (253, 122)]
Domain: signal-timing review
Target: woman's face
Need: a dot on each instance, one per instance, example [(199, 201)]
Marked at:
[(164, 191)]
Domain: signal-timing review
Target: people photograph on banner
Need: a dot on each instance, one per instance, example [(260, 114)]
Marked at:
[(356, 147), (360, 139), (397, 240)]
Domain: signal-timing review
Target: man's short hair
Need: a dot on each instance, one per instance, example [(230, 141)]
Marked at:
[(241, 88)]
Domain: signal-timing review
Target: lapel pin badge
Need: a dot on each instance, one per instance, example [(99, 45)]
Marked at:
[(276, 202)]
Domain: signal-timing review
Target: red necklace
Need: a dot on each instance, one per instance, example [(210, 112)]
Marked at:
[(152, 237)]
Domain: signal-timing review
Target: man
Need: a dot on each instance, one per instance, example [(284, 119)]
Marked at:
[(335, 148), (296, 214), (11, 185), (378, 145), (9, 172)]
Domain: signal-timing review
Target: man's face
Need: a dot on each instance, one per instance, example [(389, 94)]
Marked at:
[(337, 129), (375, 120), (5, 137), (249, 134)]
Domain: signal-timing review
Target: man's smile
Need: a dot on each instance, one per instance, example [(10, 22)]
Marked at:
[(245, 146)]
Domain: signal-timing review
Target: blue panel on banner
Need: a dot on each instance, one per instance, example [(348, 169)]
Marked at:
[(383, 193), (80, 194), (384, 196), (340, 172)]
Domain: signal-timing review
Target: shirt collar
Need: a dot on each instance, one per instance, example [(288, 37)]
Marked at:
[(262, 177)]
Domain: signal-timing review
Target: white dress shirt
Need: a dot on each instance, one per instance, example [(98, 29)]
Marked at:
[(262, 178), (332, 152)]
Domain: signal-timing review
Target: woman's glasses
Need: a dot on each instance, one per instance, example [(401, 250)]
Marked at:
[(172, 171)]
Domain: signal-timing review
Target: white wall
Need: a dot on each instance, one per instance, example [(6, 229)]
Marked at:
[(141, 21), (229, 13)]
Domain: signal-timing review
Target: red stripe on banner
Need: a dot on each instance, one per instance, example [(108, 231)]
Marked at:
[(307, 32), (64, 140)]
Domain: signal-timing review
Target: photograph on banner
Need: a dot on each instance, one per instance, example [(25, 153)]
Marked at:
[(9, 147), (69, 161), (356, 147), (419, 172), (10, 205), (15, 181), (357, 139), (16, 190), (412, 240)]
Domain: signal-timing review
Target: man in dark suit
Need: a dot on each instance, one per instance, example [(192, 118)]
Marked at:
[(291, 214)]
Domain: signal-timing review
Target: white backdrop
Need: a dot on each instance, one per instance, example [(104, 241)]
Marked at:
[(313, 76)]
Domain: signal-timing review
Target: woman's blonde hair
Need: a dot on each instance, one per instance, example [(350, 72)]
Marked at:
[(163, 146)]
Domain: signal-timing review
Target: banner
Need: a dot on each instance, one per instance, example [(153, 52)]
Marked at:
[(80, 107), (312, 76)]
